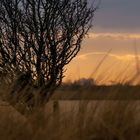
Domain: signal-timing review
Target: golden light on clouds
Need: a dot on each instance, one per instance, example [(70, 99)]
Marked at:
[(126, 57), (116, 36)]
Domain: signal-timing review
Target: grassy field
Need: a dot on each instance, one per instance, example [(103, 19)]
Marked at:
[(95, 113)]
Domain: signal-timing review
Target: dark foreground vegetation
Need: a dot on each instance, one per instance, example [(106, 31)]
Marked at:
[(105, 113)]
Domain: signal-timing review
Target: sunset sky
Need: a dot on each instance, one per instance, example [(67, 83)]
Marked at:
[(108, 52)]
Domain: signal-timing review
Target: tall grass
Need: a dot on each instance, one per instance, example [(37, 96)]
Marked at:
[(77, 120)]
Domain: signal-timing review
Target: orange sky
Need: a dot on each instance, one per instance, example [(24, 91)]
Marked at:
[(113, 53), (108, 52)]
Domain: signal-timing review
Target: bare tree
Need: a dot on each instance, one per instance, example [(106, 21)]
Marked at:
[(40, 37)]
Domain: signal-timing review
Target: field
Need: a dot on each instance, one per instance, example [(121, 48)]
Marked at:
[(93, 113)]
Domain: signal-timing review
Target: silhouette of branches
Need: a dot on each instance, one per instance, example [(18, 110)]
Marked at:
[(40, 37)]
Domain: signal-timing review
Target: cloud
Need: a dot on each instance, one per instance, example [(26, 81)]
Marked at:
[(118, 15), (115, 36), (126, 57)]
